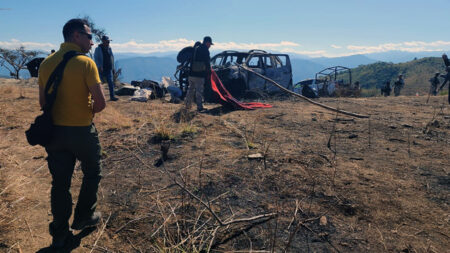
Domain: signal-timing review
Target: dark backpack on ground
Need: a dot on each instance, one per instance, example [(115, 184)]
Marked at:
[(41, 131)]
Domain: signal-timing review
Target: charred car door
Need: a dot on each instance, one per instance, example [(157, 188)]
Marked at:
[(254, 82), (278, 68)]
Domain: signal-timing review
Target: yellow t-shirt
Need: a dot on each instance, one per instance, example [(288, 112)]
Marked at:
[(73, 105)]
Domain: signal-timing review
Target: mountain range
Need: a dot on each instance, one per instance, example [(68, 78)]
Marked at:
[(156, 65)]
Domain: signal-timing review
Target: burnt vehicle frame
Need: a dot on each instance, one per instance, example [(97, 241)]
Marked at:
[(329, 82), (239, 82), (243, 84)]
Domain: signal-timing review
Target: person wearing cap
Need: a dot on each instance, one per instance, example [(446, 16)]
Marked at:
[(104, 59), (398, 85), (447, 79), (434, 84), (200, 70)]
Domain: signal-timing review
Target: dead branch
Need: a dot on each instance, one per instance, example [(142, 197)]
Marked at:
[(303, 97), (201, 201), (129, 222), (299, 224), (159, 228), (213, 238), (322, 237), (297, 204), (101, 233), (262, 216), (160, 189), (232, 127), (29, 228), (240, 231)]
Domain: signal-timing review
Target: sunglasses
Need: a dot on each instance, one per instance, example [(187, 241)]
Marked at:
[(89, 35)]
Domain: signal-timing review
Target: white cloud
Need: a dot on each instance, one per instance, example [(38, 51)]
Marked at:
[(316, 53), (134, 46), (14, 43), (161, 46), (175, 45), (408, 46)]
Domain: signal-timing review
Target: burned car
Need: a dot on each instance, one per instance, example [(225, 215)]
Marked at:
[(241, 83), (330, 82)]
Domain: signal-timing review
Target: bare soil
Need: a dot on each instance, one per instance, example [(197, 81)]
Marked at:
[(326, 182)]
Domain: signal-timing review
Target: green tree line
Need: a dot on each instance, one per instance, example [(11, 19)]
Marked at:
[(416, 73)]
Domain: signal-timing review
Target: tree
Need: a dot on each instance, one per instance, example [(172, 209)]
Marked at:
[(98, 32), (15, 60)]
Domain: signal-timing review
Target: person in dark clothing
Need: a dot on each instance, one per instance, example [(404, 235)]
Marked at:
[(398, 85), (104, 59), (434, 84), (199, 71), (386, 89), (447, 79)]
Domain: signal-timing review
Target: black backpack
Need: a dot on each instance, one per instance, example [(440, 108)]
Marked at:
[(33, 66), (41, 131), (185, 55)]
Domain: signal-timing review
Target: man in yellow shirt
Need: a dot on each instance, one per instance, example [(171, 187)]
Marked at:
[(79, 97)]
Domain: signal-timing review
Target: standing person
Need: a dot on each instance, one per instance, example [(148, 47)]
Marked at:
[(398, 85), (434, 84), (447, 79), (79, 97), (104, 59), (386, 90), (199, 71)]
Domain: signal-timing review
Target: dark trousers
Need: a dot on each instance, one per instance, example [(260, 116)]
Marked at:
[(397, 90), (68, 145), (107, 76)]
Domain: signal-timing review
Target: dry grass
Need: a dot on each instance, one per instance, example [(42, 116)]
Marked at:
[(113, 119), (189, 130), (389, 196)]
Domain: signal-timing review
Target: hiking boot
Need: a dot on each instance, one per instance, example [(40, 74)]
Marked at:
[(60, 241), (201, 110), (90, 222), (114, 99)]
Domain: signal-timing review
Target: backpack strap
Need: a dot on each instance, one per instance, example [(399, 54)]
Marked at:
[(195, 54), (55, 79)]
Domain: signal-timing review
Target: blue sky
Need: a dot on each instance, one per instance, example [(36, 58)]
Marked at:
[(314, 28)]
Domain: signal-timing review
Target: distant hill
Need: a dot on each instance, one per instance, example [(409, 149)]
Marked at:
[(416, 74), (401, 56), (345, 61), (307, 68), (304, 69), (372, 70), (150, 68)]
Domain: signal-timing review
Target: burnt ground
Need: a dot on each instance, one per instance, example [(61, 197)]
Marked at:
[(327, 182)]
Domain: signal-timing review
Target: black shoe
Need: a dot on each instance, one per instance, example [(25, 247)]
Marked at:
[(114, 99), (201, 110), (61, 241), (91, 222)]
